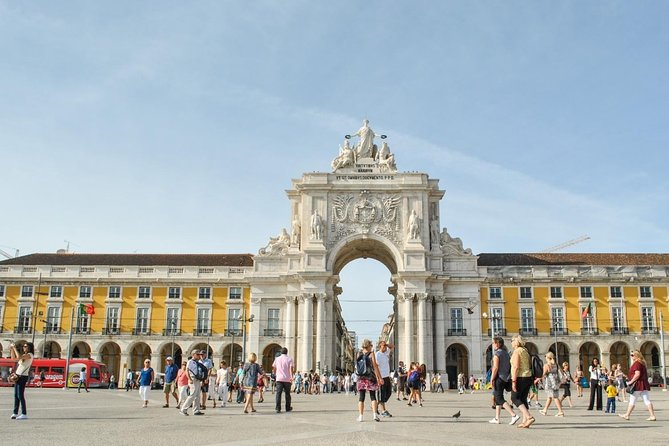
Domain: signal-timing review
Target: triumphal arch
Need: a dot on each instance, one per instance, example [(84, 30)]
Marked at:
[(365, 208)]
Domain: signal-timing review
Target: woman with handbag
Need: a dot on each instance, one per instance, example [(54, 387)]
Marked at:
[(22, 372), (638, 386), (552, 385)]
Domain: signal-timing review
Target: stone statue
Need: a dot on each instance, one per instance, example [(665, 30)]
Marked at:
[(385, 159), (316, 226), (434, 231), (414, 225), (277, 245), (346, 157), (365, 147), (296, 232), (452, 244)]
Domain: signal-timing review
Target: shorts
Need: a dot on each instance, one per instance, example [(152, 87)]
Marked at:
[(498, 391), (566, 390), (386, 390), (205, 387), (169, 388)]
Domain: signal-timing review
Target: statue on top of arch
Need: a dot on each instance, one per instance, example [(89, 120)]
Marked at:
[(365, 149), (452, 245), (277, 246)]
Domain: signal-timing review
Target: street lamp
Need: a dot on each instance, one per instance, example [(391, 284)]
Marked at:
[(46, 327), (556, 324), (491, 320), (173, 323), (244, 321)]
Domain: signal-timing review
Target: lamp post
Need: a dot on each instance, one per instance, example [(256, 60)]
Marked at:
[(244, 320), (556, 324), (173, 323), (46, 327), (491, 320)]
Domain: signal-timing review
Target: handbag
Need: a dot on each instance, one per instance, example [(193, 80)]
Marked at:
[(630, 388), (13, 377)]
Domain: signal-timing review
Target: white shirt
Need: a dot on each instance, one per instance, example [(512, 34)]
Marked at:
[(383, 361), (223, 376)]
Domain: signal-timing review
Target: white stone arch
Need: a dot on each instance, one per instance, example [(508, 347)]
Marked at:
[(359, 246)]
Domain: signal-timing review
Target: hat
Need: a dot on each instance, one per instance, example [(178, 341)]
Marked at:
[(202, 352), (195, 352), (169, 358)]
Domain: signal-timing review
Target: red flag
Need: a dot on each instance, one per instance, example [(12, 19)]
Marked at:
[(586, 311), (89, 309)]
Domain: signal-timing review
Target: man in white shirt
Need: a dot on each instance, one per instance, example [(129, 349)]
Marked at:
[(194, 384), (386, 387)]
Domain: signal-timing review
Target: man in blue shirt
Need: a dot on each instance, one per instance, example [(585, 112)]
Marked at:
[(170, 381)]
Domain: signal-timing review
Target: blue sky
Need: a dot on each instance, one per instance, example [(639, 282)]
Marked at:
[(176, 127)]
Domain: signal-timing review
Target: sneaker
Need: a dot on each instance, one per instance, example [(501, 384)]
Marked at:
[(14, 416), (386, 414), (514, 419), (183, 413), (360, 418), (22, 417), (493, 421), (198, 413), (376, 418)]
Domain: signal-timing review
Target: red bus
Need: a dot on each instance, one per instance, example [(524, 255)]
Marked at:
[(54, 372)]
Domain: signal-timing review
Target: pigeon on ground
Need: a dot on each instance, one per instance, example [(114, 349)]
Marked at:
[(456, 415)]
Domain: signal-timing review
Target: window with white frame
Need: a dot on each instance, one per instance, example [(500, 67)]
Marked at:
[(647, 319), (27, 291), (556, 292), (495, 292), (174, 292), (234, 324), (84, 292), (235, 292), (557, 319), (456, 319), (273, 319), (114, 292), (645, 292), (617, 319), (112, 320), (55, 291), (2, 291), (24, 319), (616, 291), (144, 292), (204, 292), (82, 323), (172, 322), (202, 320), (586, 292), (527, 319), (142, 320), (587, 322), (497, 320), (525, 292), (52, 319)]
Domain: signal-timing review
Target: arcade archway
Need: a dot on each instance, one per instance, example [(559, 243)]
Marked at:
[(170, 349), (110, 355), (138, 353), (269, 353), (619, 353), (457, 361), (81, 350), (562, 352), (587, 353), (232, 353)]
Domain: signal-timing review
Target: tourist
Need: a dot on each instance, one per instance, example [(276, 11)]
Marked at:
[(439, 386), (521, 379), (261, 387), (249, 381), (82, 380), (566, 381), (401, 381), (370, 381), (551, 385), (347, 383), (385, 384), (621, 383), (22, 370), (194, 385), (354, 382), (283, 369), (222, 383), (298, 382), (238, 382), (579, 381), (461, 383), (611, 393), (639, 381), (129, 380), (170, 387), (146, 377), (595, 387), (414, 383), (211, 385), (182, 384), (500, 378)]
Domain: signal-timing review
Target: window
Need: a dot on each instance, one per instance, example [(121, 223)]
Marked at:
[(82, 323), (556, 292), (644, 291), (235, 292), (24, 319), (273, 319), (112, 320), (616, 291), (234, 324), (52, 319), (174, 292), (172, 325), (495, 293), (586, 292), (204, 293), (456, 319), (557, 318), (497, 320), (84, 292), (27, 291), (114, 292), (56, 291), (527, 319), (144, 292), (2, 291), (525, 292), (647, 323), (587, 322), (202, 320), (617, 319), (142, 323)]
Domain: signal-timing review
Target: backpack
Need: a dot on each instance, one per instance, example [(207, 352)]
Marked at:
[(362, 366), (414, 378), (537, 366), (201, 371)]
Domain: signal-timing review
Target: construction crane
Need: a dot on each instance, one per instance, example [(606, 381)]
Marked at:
[(8, 255), (566, 244)]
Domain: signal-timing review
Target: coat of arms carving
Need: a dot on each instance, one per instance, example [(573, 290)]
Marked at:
[(365, 214)]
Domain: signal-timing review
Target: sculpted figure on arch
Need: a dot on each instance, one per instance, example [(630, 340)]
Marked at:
[(414, 225), (316, 226), (365, 147)]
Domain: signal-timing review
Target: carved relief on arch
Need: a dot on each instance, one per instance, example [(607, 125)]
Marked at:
[(367, 214)]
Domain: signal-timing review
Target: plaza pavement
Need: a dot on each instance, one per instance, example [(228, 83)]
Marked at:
[(115, 417)]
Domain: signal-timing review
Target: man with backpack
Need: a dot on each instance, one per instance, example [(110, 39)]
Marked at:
[(197, 372)]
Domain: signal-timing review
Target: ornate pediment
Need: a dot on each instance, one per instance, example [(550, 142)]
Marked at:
[(366, 213)]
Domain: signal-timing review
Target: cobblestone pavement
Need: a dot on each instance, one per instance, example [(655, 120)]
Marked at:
[(104, 417)]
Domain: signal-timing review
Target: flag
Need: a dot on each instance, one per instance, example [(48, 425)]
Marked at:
[(586, 311), (86, 309)]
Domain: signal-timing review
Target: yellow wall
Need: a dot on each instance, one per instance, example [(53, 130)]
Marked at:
[(219, 313), (97, 320), (128, 307), (603, 313), (12, 294), (485, 292), (70, 295), (542, 311), (572, 309), (510, 295), (633, 315), (159, 296)]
